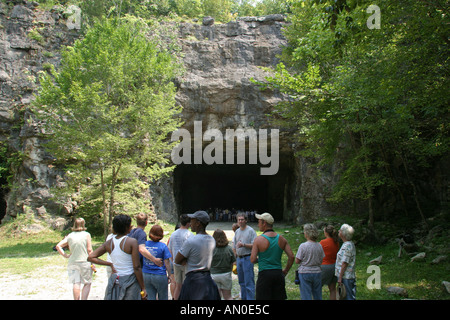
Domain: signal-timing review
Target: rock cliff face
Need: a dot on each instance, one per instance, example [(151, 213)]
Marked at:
[(30, 40), (215, 91)]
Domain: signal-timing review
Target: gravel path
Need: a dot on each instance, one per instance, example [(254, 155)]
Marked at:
[(49, 284)]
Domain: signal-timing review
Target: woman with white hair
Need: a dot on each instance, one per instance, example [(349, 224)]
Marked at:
[(345, 262), (309, 256)]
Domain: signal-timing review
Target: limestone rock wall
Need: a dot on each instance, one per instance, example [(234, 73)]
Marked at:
[(30, 40), (220, 60)]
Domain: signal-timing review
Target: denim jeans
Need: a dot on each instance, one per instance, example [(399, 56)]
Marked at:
[(310, 286), (156, 285), (246, 277), (350, 288)]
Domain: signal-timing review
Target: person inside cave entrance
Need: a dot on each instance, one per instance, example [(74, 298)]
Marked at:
[(229, 215), (226, 190)]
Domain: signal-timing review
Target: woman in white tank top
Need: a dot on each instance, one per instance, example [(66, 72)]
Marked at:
[(123, 262), (126, 281)]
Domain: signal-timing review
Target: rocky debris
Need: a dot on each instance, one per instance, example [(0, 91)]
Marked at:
[(59, 224), (439, 259), (376, 261), (446, 286), (419, 257), (398, 291), (4, 77), (208, 21)]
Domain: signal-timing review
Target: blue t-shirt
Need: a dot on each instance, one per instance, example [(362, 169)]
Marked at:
[(141, 237), (158, 250)]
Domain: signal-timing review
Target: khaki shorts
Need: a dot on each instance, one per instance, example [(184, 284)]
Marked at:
[(179, 273), (80, 272), (223, 280)]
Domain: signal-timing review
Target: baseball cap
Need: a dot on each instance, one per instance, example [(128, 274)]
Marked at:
[(201, 216), (266, 217)]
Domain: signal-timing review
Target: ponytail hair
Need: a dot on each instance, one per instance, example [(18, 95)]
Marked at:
[(332, 232)]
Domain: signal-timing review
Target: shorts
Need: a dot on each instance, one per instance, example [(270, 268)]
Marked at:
[(179, 273), (328, 276), (223, 280), (270, 285), (80, 272)]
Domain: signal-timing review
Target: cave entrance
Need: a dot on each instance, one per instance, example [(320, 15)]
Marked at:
[(206, 187)]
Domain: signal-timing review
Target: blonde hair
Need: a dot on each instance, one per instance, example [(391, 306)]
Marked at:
[(141, 219), (78, 225), (311, 231)]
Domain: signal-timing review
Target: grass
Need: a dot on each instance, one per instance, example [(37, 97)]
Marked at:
[(22, 253)]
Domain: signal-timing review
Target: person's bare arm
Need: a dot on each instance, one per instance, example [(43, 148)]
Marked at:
[(59, 247), (341, 274), (180, 259), (287, 249), (143, 250), (89, 243), (137, 264), (94, 257), (255, 250)]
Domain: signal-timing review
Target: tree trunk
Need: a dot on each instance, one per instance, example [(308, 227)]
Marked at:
[(115, 173), (413, 185), (105, 208)]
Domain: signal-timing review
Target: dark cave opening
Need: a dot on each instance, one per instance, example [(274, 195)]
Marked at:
[(242, 187)]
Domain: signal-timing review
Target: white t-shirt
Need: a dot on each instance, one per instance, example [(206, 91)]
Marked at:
[(198, 250), (177, 239)]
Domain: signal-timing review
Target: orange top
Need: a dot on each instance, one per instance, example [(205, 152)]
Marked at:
[(331, 249)]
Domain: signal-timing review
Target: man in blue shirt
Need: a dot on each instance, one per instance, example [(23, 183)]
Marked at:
[(139, 234)]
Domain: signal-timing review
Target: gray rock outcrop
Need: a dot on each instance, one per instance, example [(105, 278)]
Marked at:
[(220, 60)]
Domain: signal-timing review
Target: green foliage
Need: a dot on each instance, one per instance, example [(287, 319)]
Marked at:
[(109, 109), (9, 162), (374, 101), (4, 164), (189, 8), (219, 9), (222, 10)]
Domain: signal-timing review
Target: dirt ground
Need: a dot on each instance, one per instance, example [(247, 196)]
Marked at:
[(51, 283)]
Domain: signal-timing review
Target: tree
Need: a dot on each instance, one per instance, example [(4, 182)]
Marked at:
[(110, 107), (373, 100), (189, 8), (218, 9)]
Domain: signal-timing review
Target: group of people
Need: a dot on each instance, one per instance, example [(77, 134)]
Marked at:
[(324, 263), (230, 215), (198, 266)]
